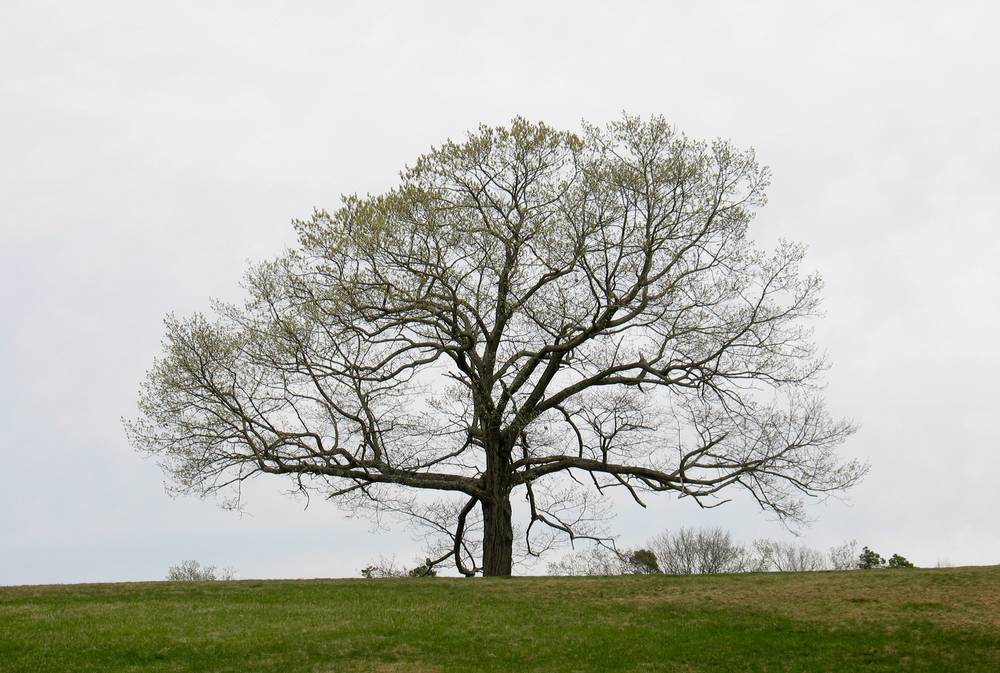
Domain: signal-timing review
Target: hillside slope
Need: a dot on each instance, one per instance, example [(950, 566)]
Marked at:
[(941, 621)]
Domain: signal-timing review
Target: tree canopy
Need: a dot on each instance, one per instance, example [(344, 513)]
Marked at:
[(530, 315)]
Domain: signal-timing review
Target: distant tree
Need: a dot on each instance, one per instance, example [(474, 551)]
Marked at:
[(382, 569), (758, 556), (870, 559), (595, 561), (897, 561), (696, 551), (707, 550), (643, 562), (425, 569), (844, 556), (790, 557), (192, 571), (527, 307)]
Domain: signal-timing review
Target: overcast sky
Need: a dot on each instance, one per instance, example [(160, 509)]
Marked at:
[(148, 151)]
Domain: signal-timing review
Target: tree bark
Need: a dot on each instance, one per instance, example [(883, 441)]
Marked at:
[(498, 532), (498, 536)]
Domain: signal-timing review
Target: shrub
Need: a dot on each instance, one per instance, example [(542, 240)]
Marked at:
[(870, 559), (897, 561), (425, 569), (597, 560), (192, 571), (643, 562), (382, 569), (766, 554), (695, 551)]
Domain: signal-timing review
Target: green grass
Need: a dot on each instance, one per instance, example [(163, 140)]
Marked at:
[(940, 621)]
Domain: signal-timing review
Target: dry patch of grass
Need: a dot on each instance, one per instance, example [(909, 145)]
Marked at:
[(959, 597), (382, 667)]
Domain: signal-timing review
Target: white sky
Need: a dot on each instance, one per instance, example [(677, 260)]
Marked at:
[(148, 151)]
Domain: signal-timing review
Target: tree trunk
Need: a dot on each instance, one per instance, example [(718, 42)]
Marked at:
[(498, 536)]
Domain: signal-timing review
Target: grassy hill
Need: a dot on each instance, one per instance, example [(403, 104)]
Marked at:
[(940, 621)]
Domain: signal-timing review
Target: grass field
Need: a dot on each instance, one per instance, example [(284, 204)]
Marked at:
[(944, 621)]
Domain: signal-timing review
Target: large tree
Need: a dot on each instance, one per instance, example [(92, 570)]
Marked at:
[(530, 314)]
